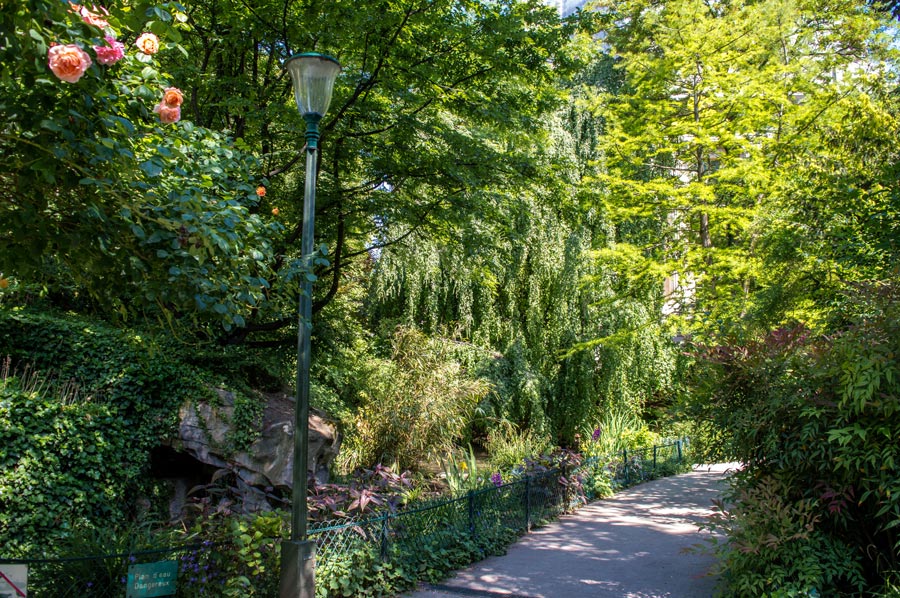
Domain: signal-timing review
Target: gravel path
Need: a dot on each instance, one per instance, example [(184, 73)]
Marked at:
[(628, 546)]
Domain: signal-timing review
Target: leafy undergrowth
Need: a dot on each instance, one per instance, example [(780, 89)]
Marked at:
[(814, 419), (82, 405)]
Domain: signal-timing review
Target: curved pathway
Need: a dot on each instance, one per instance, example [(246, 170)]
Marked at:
[(629, 546)]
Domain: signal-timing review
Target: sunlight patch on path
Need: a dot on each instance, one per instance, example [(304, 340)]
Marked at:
[(631, 545)]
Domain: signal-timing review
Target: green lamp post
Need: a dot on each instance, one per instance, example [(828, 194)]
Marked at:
[(313, 77)]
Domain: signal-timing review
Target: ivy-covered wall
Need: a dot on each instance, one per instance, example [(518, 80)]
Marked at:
[(81, 406)]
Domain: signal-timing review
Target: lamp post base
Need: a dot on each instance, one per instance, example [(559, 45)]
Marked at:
[(298, 569)]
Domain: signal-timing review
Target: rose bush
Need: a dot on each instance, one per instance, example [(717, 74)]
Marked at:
[(92, 188)]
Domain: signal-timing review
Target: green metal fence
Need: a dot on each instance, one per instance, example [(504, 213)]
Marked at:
[(106, 576), (481, 517), (468, 527)]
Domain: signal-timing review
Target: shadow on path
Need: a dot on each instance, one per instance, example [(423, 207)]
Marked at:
[(628, 546)]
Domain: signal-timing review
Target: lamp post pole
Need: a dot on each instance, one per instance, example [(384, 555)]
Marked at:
[(313, 78)]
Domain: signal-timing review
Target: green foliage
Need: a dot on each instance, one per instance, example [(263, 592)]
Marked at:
[(226, 554), (610, 435), (240, 555), (100, 577), (597, 480), (246, 420), (509, 447), (406, 143), (773, 546), (719, 124), (81, 447), (417, 405), (817, 416), (82, 405), (526, 320), (639, 439), (65, 460), (101, 199), (462, 474)]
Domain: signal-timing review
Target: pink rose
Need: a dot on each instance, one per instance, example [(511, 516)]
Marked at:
[(90, 17), (112, 53), (147, 43), (68, 62), (167, 114)]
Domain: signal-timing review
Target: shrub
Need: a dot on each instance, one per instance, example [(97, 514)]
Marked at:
[(819, 415), (367, 492), (774, 546), (100, 566), (76, 451), (240, 555), (420, 402), (62, 463)]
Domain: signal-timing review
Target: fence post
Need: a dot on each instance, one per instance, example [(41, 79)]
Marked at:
[(471, 497), (527, 503), (385, 528), (654, 458), (625, 461), (678, 444)]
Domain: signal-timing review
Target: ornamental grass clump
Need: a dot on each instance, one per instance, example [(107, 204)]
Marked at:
[(508, 446), (418, 405)]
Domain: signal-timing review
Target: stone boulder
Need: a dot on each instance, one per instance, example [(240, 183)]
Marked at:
[(267, 463)]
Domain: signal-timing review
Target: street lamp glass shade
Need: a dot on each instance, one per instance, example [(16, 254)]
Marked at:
[(313, 76)]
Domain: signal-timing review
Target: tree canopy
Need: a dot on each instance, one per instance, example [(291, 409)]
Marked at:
[(721, 120)]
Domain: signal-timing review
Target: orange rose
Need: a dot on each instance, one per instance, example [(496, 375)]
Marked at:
[(260, 191), (275, 211), (68, 62), (167, 114), (172, 97), (4, 283), (147, 43)]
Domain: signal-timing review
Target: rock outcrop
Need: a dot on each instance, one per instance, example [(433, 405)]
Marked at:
[(267, 464)]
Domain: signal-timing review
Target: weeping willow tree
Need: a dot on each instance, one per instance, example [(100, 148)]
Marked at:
[(532, 308)]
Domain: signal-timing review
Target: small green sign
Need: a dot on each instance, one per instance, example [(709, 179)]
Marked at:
[(152, 579)]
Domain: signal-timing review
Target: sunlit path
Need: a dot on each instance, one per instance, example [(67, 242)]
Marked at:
[(631, 546)]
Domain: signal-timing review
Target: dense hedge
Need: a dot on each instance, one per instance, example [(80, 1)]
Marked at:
[(81, 405)]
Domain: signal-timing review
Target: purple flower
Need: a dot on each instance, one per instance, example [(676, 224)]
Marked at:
[(596, 434), (132, 559), (497, 479)]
